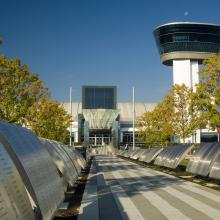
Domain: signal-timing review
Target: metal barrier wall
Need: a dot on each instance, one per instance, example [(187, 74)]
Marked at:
[(137, 154), (12, 191), (133, 153), (201, 161), (35, 167), (70, 155), (73, 157), (215, 169), (150, 154), (171, 156), (62, 161), (80, 159)]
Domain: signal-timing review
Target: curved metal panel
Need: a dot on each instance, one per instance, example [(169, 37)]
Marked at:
[(201, 161), (35, 167), (75, 170), (215, 169), (132, 153), (14, 201), (176, 155), (171, 156), (138, 154), (62, 161), (74, 159), (150, 154), (80, 159)]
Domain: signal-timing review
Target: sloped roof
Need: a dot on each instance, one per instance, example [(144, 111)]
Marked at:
[(125, 109)]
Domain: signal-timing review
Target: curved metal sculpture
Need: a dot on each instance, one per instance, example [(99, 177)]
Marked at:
[(14, 201), (201, 162), (35, 167), (73, 157), (62, 161), (80, 159), (171, 156), (215, 169), (150, 154)]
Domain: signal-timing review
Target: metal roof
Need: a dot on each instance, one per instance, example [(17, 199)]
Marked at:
[(187, 22), (125, 109)]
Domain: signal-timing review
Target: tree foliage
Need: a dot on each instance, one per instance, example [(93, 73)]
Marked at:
[(175, 115), (207, 97), (186, 119), (19, 89), (155, 127), (49, 120), (24, 100)]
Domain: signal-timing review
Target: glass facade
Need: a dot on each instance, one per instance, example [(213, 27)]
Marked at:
[(99, 97), (194, 37)]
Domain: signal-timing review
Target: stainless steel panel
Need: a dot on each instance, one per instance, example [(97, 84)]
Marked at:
[(150, 154), (62, 161), (132, 153), (171, 156), (161, 156), (138, 154), (80, 159), (73, 165), (201, 161), (215, 168), (176, 155), (143, 156), (35, 167), (14, 201), (70, 152)]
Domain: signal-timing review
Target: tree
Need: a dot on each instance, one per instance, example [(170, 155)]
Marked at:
[(186, 119), (156, 127), (49, 120), (207, 96), (19, 89)]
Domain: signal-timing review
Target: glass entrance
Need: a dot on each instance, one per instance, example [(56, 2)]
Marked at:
[(100, 139)]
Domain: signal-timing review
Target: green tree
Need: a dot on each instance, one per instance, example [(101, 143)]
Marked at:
[(19, 89), (207, 96), (156, 127), (49, 120), (186, 119)]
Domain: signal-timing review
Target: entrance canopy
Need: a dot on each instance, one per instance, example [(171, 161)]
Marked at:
[(100, 118)]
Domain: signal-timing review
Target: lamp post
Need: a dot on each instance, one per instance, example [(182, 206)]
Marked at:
[(133, 118), (71, 116)]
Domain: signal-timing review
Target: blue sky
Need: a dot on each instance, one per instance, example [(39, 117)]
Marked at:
[(89, 42)]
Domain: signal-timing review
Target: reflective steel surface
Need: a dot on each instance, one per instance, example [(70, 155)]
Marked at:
[(215, 169), (171, 156), (150, 154), (14, 201), (71, 154), (80, 159), (62, 161), (138, 154), (35, 167), (201, 161)]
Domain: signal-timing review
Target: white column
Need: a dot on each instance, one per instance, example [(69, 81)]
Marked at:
[(185, 71), (194, 74)]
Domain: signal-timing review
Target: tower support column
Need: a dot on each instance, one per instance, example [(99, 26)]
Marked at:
[(186, 71)]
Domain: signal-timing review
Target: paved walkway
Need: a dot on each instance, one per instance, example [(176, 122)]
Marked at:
[(121, 190)]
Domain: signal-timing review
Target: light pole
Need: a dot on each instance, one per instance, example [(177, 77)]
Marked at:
[(133, 118), (71, 114)]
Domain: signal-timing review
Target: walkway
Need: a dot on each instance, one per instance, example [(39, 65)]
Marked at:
[(121, 190)]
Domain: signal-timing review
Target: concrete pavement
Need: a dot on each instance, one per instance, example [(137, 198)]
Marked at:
[(121, 190)]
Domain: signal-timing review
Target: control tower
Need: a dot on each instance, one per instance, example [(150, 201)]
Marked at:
[(184, 45)]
